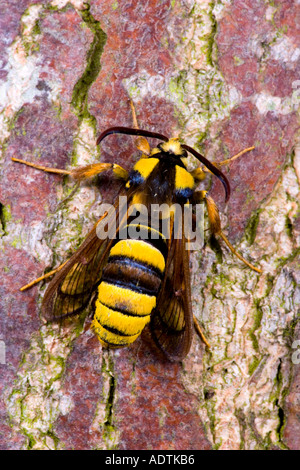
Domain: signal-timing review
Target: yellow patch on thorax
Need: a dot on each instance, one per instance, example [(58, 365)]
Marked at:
[(145, 166), (183, 179)]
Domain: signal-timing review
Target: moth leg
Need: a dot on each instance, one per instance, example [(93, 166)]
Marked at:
[(83, 172), (41, 167), (54, 271), (200, 332), (141, 143), (134, 118), (229, 160), (215, 224), (41, 278), (200, 173)]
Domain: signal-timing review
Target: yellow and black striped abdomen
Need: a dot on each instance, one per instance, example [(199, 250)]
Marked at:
[(128, 290)]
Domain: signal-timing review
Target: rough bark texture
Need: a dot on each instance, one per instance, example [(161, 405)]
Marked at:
[(223, 75)]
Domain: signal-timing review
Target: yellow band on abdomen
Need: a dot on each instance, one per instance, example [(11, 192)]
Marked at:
[(141, 251), (107, 337), (120, 322), (121, 298)]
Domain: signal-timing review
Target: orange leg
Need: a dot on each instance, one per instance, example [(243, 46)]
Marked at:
[(200, 332), (88, 171), (141, 143), (229, 160), (199, 173), (41, 278), (83, 172), (215, 224)]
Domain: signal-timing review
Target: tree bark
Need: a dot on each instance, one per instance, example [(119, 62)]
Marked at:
[(223, 76)]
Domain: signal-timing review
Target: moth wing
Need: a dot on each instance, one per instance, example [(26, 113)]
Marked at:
[(172, 320), (71, 289)]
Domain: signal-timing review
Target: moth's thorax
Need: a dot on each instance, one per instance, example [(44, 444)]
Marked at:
[(163, 175)]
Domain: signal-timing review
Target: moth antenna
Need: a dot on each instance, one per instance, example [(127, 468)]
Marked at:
[(130, 131)]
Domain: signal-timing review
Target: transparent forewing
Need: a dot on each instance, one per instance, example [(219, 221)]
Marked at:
[(72, 287), (171, 322)]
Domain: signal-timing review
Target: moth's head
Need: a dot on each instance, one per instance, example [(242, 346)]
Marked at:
[(171, 146)]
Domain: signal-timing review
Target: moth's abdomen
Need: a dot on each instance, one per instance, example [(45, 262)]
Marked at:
[(128, 290)]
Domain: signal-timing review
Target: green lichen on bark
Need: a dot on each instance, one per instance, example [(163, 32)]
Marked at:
[(31, 31), (81, 89), (5, 217), (250, 231), (109, 394)]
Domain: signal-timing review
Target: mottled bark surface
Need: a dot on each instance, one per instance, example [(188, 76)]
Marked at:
[(224, 76)]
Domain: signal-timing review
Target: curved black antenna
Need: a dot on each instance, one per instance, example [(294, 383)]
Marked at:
[(130, 131), (218, 173)]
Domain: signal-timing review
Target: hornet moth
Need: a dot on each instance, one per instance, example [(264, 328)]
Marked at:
[(145, 279)]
